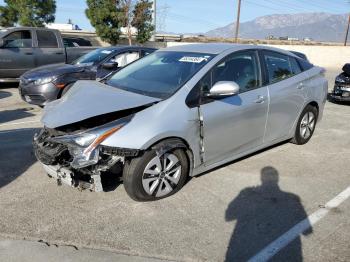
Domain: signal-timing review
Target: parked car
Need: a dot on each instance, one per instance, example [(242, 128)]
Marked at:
[(47, 83), (341, 91), (24, 48), (179, 112)]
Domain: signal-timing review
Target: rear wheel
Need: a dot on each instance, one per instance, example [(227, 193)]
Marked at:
[(306, 125), (151, 177)]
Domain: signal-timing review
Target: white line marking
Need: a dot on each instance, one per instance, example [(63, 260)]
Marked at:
[(19, 123), (273, 248)]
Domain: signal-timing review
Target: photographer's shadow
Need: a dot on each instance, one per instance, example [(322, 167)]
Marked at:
[(264, 213)]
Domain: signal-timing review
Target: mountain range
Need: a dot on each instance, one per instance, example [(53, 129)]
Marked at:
[(318, 26)]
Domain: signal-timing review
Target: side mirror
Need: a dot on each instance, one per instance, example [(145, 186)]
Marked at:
[(224, 88), (110, 65), (2, 42)]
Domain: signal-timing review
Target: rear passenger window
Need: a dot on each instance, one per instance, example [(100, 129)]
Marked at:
[(278, 67), (47, 39), (305, 65), (295, 66)]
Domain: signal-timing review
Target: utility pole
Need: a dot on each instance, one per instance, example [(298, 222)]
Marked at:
[(237, 21), (347, 31)]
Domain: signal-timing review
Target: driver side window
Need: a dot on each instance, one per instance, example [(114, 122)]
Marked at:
[(18, 39), (125, 58), (241, 68)]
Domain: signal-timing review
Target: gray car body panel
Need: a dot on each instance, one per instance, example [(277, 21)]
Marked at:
[(87, 99), (233, 127)]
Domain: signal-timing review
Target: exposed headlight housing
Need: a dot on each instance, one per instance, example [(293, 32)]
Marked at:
[(84, 146), (45, 80)]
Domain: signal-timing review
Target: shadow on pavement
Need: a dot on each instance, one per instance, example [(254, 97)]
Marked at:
[(4, 94), (16, 153), (262, 214), (10, 115), (9, 85)]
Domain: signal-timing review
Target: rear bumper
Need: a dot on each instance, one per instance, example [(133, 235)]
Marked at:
[(38, 94)]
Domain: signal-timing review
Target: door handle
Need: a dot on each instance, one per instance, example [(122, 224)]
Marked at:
[(300, 86), (28, 53), (260, 99), (59, 53)]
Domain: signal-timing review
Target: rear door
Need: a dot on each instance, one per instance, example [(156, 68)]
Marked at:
[(234, 124), (287, 91), (16, 56), (49, 49)]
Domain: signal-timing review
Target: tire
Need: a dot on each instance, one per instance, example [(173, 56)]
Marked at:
[(306, 125), (140, 175), (66, 88)]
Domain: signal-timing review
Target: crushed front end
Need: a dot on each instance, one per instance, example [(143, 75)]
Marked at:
[(78, 159), (341, 91)]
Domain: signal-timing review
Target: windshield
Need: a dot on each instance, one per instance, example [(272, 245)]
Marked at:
[(93, 57), (159, 74)]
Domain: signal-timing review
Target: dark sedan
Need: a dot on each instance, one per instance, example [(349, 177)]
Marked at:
[(47, 83), (341, 91)]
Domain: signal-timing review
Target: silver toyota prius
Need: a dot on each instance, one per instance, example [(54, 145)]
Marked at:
[(177, 113)]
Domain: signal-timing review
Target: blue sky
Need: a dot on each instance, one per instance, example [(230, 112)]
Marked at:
[(196, 16)]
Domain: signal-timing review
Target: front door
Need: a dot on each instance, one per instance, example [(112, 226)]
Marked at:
[(17, 55), (234, 124)]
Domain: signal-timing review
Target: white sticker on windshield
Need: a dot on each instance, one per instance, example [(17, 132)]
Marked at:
[(193, 59), (106, 52)]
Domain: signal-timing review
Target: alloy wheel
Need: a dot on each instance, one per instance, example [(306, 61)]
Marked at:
[(307, 125), (161, 175)]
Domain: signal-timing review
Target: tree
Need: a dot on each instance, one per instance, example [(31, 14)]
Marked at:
[(142, 20), (106, 17), (109, 16), (138, 15), (28, 12), (8, 16), (126, 6)]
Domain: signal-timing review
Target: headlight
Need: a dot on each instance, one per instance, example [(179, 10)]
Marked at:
[(339, 79), (44, 80), (83, 146)]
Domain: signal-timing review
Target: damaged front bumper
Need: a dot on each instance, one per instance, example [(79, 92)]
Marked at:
[(58, 161), (68, 177), (340, 93)]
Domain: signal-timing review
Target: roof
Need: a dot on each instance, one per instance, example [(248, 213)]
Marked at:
[(217, 48), (125, 47), (209, 48)]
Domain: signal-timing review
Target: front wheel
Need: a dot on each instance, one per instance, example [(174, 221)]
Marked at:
[(151, 177), (306, 125)]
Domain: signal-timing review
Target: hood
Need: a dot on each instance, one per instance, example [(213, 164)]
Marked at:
[(53, 70), (87, 99)]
